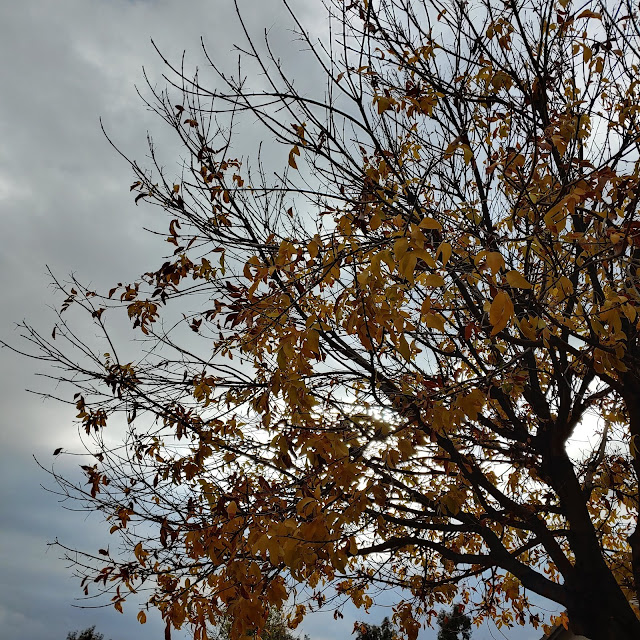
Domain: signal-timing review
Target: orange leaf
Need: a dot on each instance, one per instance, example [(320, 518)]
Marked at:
[(292, 156), (384, 103)]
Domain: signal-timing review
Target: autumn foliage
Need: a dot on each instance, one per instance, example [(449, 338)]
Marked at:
[(404, 353)]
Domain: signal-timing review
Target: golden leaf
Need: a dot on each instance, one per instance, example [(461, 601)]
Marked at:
[(430, 223), (494, 261), (444, 251), (500, 312), (313, 341), (434, 321), (434, 280), (528, 329), (468, 153), (403, 348), (517, 280), (313, 248), (407, 265), (565, 286)]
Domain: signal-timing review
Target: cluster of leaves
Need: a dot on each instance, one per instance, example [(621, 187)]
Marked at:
[(390, 345)]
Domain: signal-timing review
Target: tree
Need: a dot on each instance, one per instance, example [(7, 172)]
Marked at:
[(275, 628), (454, 624), (374, 632), (379, 357), (89, 633)]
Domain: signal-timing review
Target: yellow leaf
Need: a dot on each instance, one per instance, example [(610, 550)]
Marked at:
[(472, 403), (261, 544), (468, 154), (291, 554), (142, 617), (495, 261), (403, 348), (500, 312), (427, 257), (434, 280), (444, 251), (232, 509), (434, 321), (555, 218), (406, 448), (630, 312), (407, 265), (501, 80), (449, 151), (400, 248), (517, 280), (565, 286), (140, 554), (313, 342), (313, 248), (528, 329), (450, 503), (429, 223), (339, 561)]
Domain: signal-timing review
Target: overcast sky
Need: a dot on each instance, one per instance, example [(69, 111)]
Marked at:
[(65, 203)]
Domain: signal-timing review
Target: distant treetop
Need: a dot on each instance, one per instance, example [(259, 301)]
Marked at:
[(454, 624), (89, 633)]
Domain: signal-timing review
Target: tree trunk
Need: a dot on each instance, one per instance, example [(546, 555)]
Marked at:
[(598, 609), (631, 394), (596, 605)]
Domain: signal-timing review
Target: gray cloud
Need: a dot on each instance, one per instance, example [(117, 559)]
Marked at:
[(64, 202)]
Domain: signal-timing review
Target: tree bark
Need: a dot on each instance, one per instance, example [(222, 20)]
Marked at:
[(597, 608), (631, 395)]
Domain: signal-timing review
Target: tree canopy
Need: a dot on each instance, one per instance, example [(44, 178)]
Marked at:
[(454, 624), (384, 631), (89, 633), (275, 628), (366, 366)]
